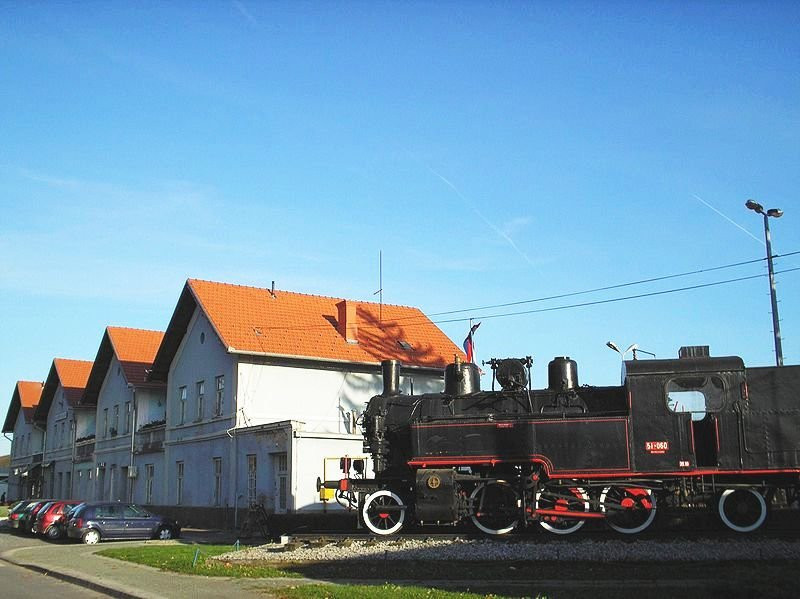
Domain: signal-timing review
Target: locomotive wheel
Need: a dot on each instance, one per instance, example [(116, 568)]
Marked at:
[(495, 509), (628, 510), (742, 510), (383, 512), (562, 498)]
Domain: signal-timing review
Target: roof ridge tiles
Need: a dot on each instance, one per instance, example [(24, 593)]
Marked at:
[(117, 328), (71, 360), (316, 295)]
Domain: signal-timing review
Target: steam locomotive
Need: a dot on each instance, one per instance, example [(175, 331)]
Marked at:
[(686, 432)]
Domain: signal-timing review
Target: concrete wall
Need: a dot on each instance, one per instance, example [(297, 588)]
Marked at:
[(112, 452), (198, 438), (27, 441), (59, 431)]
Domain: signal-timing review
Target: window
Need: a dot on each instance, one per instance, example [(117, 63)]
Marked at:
[(182, 405), (220, 386), (108, 511), (695, 395), (128, 416), (179, 483), (149, 472), (251, 478), (115, 421), (67, 484), (105, 422), (217, 481), (201, 397), (60, 482), (61, 435), (133, 511)]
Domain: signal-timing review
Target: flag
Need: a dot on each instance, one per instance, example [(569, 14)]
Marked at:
[(469, 345)]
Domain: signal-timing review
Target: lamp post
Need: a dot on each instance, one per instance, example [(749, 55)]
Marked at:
[(776, 324)]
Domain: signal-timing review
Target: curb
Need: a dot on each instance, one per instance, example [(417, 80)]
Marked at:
[(87, 584)]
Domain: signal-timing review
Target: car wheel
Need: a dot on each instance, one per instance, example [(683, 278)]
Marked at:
[(165, 533), (53, 533), (91, 537)]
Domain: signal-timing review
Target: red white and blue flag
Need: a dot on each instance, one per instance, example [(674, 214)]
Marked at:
[(469, 344)]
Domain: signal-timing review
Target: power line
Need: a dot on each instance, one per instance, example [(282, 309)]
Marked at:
[(615, 299), (608, 287)]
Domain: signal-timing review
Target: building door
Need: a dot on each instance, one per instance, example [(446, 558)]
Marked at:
[(112, 483), (281, 470), (101, 481)]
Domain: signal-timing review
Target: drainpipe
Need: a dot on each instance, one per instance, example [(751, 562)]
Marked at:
[(44, 457), (133, 441), (73, 427)]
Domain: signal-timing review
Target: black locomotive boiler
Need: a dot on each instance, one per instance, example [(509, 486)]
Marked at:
[(688, 432)]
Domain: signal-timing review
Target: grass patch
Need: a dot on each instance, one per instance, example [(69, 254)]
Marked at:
[(179, 558), (3, 511), (352, 591)]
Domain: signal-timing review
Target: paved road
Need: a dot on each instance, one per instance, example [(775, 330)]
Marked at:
[(124, 579), (19, 583)]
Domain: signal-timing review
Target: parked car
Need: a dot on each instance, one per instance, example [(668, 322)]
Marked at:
[(96, 521), (16, 510), (27, 517), (51, 520)]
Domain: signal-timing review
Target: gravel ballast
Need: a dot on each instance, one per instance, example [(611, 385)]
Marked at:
[(611, 550)]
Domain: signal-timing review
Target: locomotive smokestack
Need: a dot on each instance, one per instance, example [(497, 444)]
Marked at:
[(391, 377)]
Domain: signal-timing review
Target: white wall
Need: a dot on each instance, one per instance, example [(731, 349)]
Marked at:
[(322, 399), (309, 463)]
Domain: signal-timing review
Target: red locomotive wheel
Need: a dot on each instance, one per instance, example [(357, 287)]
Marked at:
[(628, 510), (560, 498)]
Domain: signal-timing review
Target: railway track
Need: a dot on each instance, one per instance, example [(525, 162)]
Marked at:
[(322, 538)]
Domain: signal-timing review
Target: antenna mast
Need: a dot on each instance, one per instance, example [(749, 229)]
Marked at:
[(379, 292)]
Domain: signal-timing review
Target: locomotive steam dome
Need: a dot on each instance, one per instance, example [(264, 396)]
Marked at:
[(562, 374), (461, 378)]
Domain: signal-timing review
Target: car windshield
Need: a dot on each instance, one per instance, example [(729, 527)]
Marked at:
[(18, 507), (77, 510)]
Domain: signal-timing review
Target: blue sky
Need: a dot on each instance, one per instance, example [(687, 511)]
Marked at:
[(494, 152)]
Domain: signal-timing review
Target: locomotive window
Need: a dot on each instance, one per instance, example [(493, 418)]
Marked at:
[(696, 395)]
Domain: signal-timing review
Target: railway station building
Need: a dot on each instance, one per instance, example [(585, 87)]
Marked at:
[(248, 396)]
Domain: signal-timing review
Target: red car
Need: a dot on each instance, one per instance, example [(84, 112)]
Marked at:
[(51, 521)]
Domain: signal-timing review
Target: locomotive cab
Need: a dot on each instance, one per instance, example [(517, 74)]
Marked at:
[(684, 413)]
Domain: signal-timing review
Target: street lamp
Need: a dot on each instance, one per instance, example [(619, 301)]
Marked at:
[(614, 346), (776, 324)]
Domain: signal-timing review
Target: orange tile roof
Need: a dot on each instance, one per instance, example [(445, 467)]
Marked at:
[(29, 393), (26, 397), (135, 349), (72, 375), (251, 320)]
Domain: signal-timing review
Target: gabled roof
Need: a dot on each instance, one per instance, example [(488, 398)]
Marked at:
[(135, 350), (256, 321), (71, 375), (26, 396)]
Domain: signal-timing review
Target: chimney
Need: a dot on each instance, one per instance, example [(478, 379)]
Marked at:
[(347, 323)]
